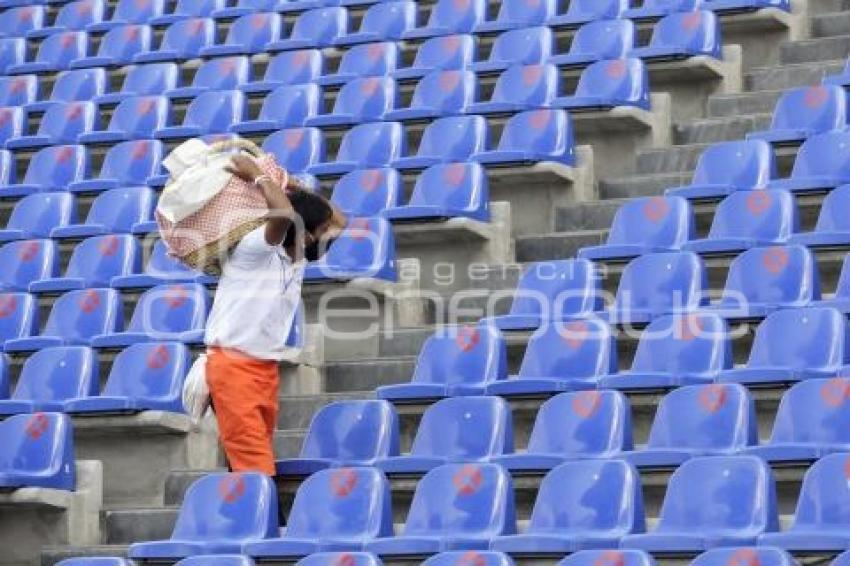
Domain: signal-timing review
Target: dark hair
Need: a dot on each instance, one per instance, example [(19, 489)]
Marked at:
[(313, 212)]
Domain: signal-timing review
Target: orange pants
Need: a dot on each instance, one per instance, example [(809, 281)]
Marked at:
[(244, 396)]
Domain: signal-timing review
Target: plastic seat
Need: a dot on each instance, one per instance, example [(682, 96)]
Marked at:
[(468, 558), (447, 140), (833, 227), (315, 28), (220, 513), (114, 211), (360, 100), (581, 12), (346, 433), (552, 290), (823, 163), (127, 164), (36, 215), (51, 376), (764, 555), (210, 113), (55, 52), (365, 146), (727, 167), (803, 112), (61, 124), (8, 169), (176, 311), (811, 422), (289, 68), (521, 87), (77, 85), (455, 507), (133, 118), (608, 84), (297, 149), (38, 451), (584, 504), (573, 426), (645, 225), (563, 356), (368, 60), (21, 20), (285, 107), (822, 516), (452, 52), (841, 79), (742, 6), (223, 74), (144, 80), (365, 249), (453, 190), (683, 35), (367, 192), (93, 264), (188, 9), (98, 561), (130, 12), (526, 46), (11, 124), (382, 21), (244, 7), (793, 345), (518, 14), (18, 91), (747, 219), (118, 46), (656, 284), (339, 558), (456, 361), (762, 280), (457, 429), (26, 261), (652, 9), (533, 136), (249, 34), (73, 16), (450, 17), (440, 93), (13, 51), (841, 299), (595, 41), (160, 268), (18, 319), (183, 39), (50, 169), (677, 350)]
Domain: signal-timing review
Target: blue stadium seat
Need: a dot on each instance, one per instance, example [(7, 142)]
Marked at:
[(365, 99), (447, 140), (518, 14), (533, 136), (50, 169), (314, 28), (793, 345), (55, 53), (187, 9), (212, 112), (581, 505), (526, 46), (127, 164), (73, 16), (456, 361), (677, 350), (823, 163), (243, 7), (249, 34), (176, 311), (220, 74), (563, 356), (98, 561), (842, 559), (50, 377), (645, 225), (133, 118), (367, 192), (13, 51), (439, 93), (552, 290), (11, 124), (363, 147), (683, 35), (595, 41), (764, 555), (36, 215), (822, 517), (297, 149), (747, 219), (575, 425), (284, 107), (130, 12), (114, 211), (220, 513), (26, 261), (833, 227), (346, 433), (457, 429), (449, 17), (160, 268), (727, 167), (608, 557), (144, 80), (289, 68), (340, 559), (61, 124), (365, 249), (659, 283), (38, 451), (94, 262), (803, 112), (118, 47), (469, 558), (8, 169), (18, 319), (608, 84), (812, 421), (841, 298), (18, 91), (183, 39), (367, 60), (841, 79), (762, 280), (652, 9), (698, 420), (581, 12), (741, 6), (452, 52), (19, 21), (455, 507), (382, 21), (143, 377), (74, 85), (735, 503), (452, 190), (521, 87)]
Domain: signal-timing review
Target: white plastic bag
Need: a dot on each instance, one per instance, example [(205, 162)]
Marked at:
[(197, 175), (196, 393)]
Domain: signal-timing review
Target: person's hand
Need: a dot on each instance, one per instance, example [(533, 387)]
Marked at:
[(244, 167)]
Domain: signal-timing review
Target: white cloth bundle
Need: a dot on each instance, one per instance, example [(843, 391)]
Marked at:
[(197, 175)]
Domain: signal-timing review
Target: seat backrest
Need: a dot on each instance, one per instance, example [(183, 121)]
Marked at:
[(662, 222), (186, 38), (366, 99), (152, 370), (464, 354), (40, 445), (766, 215), (353, 432), (79, 84), (763, 555), (122, 42), (814, 411), (290, 105), (18, 317), (604, 39), (351, 504), (17, 91), (596, 9), (745, 165), (59, 49), (58, 374), (843, 287), (696, 31), (295, 67), (151, 80), (808, 337), (616, 81), (233, 507), (594, 424), (547, 132), (621, 557), (338, 559), (447, 92), (222, 74), (574, 349), (525, 46), (824, 504), (254, 31), (11, 123), (465, 429), (695, 344), (98, 259), (140, 116), (662, 282), (216, 110), (197, 8), (736, 493), (63, 122), (520, 13), (672, 5), (463, 500), (39, 213), (589, 496), (8, 169), (56, 167), (373, 145), (77, 15), (367, 192), (296, 149), (389, 20), (449, 52), (119, 209), (459, 186), (370, 60), (530, 85), (79, 315), (26, 261), (137, 11), (160, 264), (13, 51), (171, 309), (824, 154), (454, 139), (16, 22), (98, 561), (321, 25), (457, 16), (776, 275), (470, 558), (554, 289), (132, 162), (832, 215), (365, 247), (818, 108)]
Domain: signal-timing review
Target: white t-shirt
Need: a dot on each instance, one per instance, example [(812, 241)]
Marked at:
[(258, 294)]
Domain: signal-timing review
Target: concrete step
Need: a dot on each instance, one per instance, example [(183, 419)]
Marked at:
[(828, 6), (367, 375), (815, 50), (558, 245), (639, 186), (126, 526), (677, 158), (712, 130), (790, 76), (595, 215), (54, 555), (297, 411), (734, 105), (830, 24)]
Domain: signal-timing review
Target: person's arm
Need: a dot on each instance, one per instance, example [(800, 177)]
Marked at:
[(280, 209)]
